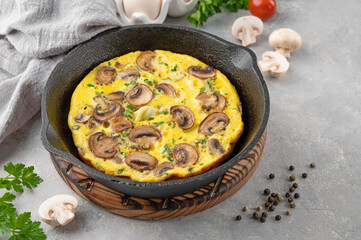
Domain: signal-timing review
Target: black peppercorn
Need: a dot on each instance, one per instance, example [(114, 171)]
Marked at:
[(297, 195), (267, 191), (267, 204), (239, 217), (262, 219), (278, 217), (271, 176), (292, 168), (295, 185), (270, 199), (276, 202), (245, 209), (292, 177), (278, 195), (313, 165), (287, 195), (271, 208), (290, 199), (273, 195), (264, 214), (292, 205), (256, 215), (304, 175), (292, 189)]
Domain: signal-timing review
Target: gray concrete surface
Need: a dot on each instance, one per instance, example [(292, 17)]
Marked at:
[(315, 117)]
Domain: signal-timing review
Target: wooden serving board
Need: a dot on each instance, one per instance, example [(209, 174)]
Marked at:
[(161, 208)]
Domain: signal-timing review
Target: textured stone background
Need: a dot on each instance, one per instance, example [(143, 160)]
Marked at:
[(315, 116)]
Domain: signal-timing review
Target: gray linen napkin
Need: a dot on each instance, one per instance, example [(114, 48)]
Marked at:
[(34, 35)]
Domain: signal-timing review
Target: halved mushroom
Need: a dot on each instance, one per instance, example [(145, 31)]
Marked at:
[(120, 124), (82, 118), (141, 161), (114, 96), (163, 168), (128, 75), (202, 72), (183, 116), (139, 95), (213, 123), (102, 145), (144, 60), (212, 103), (115, 109), (215, 146), (145, 135), (185, 155), (166, 88), (105, 75)]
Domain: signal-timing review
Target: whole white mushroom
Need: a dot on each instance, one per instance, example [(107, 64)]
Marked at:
[(285, 40), (58, 210), (247, 28), (274, 63)]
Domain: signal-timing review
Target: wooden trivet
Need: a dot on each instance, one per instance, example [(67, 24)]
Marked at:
[(161, 208)]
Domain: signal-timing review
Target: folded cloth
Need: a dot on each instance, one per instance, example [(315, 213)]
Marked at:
[(34, 35)]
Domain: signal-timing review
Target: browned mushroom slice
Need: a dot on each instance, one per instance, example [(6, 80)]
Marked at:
[(185, 155), (213, 123), (144, 60), (118, 65), (141, 161), (202, 72), (129, 75), (212, 103), (102, 145), (82, 118), (139, 95), (114, 96), (115, 109), (163, 168), (145, 135), (166, 88), (215, 146), (120, 124), (183, 116), (105, 75), (102, 104)]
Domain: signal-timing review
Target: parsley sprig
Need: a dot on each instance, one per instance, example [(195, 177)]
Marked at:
[(19, 226)]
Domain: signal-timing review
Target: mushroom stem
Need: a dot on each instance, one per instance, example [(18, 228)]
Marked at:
[(284, 51)]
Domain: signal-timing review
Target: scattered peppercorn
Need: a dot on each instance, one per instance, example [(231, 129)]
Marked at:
[(245, 209), (276, 202), (304, 175), (256, 215), (270, 199), (267, 204), (288, 212), (292, 189), (264, 214), (287, 195), (292, 177), (239, 217), (278, 217), (271, 208), (273, 195), (271, 176), (290, 199), (280, 199), (262, 219), (259, 208), (295, 185), (292, 205), (292, 168), (313, 165), (278, 195), (297, 195), (267, 191)]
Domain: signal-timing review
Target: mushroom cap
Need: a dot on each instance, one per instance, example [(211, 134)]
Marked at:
[(166, 88), (103, 146), (114, 96), (274, 63), (162, 168), (202, 72), (144, 60), (128, 74), (215, 146), (141, 161), (112, 110), (105, 75), (183, 116), (213, 123), (58, 209), (212, 103), (144, 135), (285, 38), (82, 118), (139, 95), (185, 154), (120, 124), (247, 28)]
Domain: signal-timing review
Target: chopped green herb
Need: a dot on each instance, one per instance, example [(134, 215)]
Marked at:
[(98, 106), (109, 64), (97, 163), (201, 164), (152, 73), (173, 125), (209, 84), (133, 82), (155, 93), (180, 138), (164, 63), (236, 109), (130, 107), (183, 101), (158, 124), (120, 171), (217, 92), (151, 118), (212, 79), (202, 89), (166, 149), (174, 68), (148, 82), (166, 173), (169, 158), (173, 141), (90, 85), (226, 94), (155, 82), (103, 131), (165, 112), (190, 169), (203, 146), (125, 134), (129, 116), (75, 127), (137, 68)]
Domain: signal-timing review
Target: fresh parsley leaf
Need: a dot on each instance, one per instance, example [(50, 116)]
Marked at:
[(234, 5), (23, 228)]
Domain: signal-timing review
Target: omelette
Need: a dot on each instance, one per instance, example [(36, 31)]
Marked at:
[(152, 116)]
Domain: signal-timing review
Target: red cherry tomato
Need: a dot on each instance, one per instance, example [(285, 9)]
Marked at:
[(264, 9)]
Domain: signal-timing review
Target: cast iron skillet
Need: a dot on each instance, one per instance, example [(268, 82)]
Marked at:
[(237, 63)]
